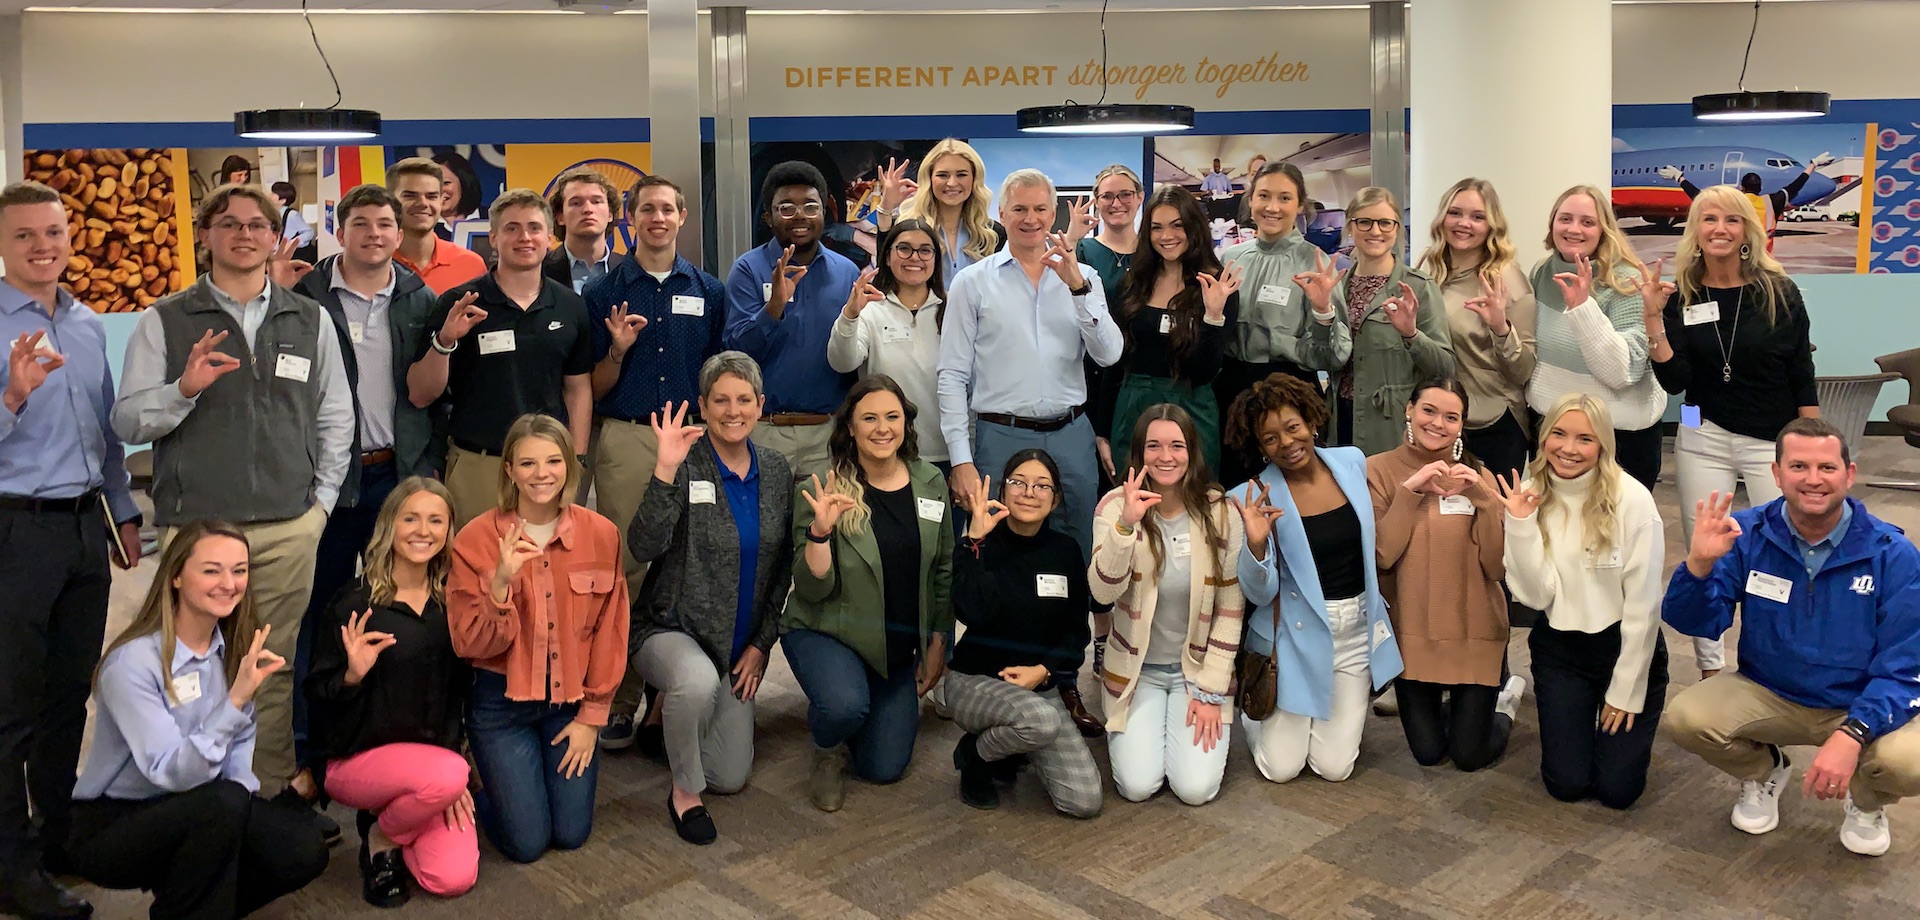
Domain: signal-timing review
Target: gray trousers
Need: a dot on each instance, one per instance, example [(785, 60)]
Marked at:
[(709, 733), (1010, 719)]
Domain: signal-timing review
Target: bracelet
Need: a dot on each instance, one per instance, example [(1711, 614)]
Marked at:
[(433, 338), (812, 538), (1122, 529)]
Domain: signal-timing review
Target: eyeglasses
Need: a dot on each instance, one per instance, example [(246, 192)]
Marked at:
[(1116, 197), (255, 227), (905, 251), (1365, 224), (789, 211), (1032, 488)]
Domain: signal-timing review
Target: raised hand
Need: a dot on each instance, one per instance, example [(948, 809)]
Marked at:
[(1215, 291), (1318, 284), (1654, 292), (1065, 263), (1671, 173), (1139, 499), (1824, 159), (205, 364), (675, 437), (895, 187), (516, 549), (863, 293), (1257, 513), (363, 647), (1403, 311), (624, 327), (1080, 220), (258, 665), (1576, 286), (461, 319), (1427, 478), (987, 514), (1521, 500), (28, 366), (1714, 532), (827, 503), (1491, 306), (285, 270), (786, 277)]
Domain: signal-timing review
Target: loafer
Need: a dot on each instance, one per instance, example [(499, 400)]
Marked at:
[(34, 894), (383, 879), (695, 825)]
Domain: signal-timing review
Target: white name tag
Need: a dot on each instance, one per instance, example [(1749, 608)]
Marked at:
[(766, 292), (493, 343), (1276, 294), (1181, 544), (1610, 561), (357, 332), (1380, 635), (932, 509), (1771, 587), (689, 305), (890, 335), (1166, 323), (1050, 585), (1695, 314), (292, 367), (1456, 504), (186, 688), (700, 492)]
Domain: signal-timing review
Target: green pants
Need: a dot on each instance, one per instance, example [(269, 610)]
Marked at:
[(1139, 393)]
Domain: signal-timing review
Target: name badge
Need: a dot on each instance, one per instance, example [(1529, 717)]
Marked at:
[(1611, 561), (1275, 294), (1050, 585), (890, 335), (186, 688), (1771, 587), (493, 343), (1166, 323), (1456, 504), (1380, 635), (766, 292), (700, 492), (1695, 314), (932, 509), (689, 305), (357, 332), (1181, 544), (292, 367)]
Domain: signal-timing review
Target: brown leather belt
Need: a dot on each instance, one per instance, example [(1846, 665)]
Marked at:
[(377, 457), (791, 419), (1033, 424)]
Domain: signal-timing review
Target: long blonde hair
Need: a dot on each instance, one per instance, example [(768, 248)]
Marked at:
[(1496, 251), (976, 214), (163, 599), (1599, 515), (1758, 268), (380, 549), (546, 427), (1614, 262)]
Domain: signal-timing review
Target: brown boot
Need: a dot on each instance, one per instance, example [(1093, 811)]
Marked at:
[(827, 787), (1089, 726)]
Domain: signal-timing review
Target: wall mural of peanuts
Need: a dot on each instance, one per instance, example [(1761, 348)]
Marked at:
[(132, 227)]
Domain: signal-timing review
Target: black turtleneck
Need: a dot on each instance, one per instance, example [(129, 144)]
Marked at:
[(1006, 590)]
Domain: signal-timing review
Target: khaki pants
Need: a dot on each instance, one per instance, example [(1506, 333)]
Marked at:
[(805, 446), (624, 455), (280, 558), (1729, 720), (474, 480)]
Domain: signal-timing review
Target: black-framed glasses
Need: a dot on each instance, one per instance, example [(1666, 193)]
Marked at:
[(789, 210), (905, 251), (1366, 224)]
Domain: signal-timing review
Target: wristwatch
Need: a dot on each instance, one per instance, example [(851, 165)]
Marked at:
[(1085, 288), (1857, 730)]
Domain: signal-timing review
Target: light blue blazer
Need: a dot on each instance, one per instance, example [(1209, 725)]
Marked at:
[(1304, 657)]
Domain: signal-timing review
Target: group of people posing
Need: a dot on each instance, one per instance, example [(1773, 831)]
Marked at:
[(380, 584)]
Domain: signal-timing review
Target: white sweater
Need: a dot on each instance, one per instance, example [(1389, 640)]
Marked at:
[(1579, 594), (903, 344)]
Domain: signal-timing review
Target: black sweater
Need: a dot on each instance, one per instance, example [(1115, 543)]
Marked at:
[(416, 691), (1772, 364), (997, 592)]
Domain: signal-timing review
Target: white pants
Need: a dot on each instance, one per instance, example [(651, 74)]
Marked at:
[(1286, 742), (1711, 458), (1158, 748)]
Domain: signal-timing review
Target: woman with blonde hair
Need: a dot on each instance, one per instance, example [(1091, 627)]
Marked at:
[(1584, 545), (951, 194), (390, 696), (1731, 333), (1117, 195), (168, 801), (1489, 315), (1589, 335), (1391, 329), (537, 601)]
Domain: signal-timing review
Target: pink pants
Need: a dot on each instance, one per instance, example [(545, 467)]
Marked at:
[(410, 787)]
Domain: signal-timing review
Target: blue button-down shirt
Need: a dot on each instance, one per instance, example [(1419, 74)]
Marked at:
[(743, 500), (61, 444), (686, 323), (147, 743), (1815, 555), (1013, 348), (792, 350)]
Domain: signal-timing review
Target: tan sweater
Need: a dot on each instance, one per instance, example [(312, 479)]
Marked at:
[(1494, 370), (1452, 619)]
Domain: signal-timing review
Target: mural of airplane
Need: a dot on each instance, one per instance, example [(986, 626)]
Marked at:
[(1640, 191)]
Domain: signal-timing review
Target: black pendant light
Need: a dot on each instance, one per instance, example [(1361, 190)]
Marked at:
[(332, 123), (1100, 118), (1745, 105)]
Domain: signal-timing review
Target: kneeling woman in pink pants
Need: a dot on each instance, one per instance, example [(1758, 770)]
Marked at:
[(388, 697)]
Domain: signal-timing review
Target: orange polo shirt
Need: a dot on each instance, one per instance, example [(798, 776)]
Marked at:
[(561, 637), (450, 267)]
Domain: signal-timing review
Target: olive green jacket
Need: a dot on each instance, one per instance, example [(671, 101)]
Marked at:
[(1385, 368), (849, 603)]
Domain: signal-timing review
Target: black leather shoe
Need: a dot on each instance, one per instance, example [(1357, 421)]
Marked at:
[(1089, 726), (329, 828), (36, 896), (1006, 770), (383, 879), (695, 825), (649, 735), (976, 775)]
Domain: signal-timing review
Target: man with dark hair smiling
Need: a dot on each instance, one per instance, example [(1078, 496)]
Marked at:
[(1829, 600), (782, 300)]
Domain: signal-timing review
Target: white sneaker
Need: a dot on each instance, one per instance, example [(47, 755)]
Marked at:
[(1508, 702), (1758, 810), (1865, 832)]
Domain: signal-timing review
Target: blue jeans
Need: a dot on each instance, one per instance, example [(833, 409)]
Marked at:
[(526, 806), (877, 718), (334, 563)]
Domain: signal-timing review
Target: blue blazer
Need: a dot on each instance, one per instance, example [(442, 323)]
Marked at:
[(1304, 657)]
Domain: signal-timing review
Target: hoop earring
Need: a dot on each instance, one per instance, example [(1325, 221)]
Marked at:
[(1459, 447), (1409, 431), (1746, 252)]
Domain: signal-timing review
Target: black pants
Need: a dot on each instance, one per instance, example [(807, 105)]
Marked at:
[(1236, 377), (212, 853), (1578, 761), (1502, 446), (53, 614), (1452, 720), (1638, 452), (335, 563)]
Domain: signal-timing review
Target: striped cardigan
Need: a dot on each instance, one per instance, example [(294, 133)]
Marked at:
[(1123, 574)]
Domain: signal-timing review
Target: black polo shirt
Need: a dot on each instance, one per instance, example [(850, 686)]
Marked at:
[(512, 362)]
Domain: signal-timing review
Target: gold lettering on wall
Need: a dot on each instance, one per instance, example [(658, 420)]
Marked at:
[(1221, 75)]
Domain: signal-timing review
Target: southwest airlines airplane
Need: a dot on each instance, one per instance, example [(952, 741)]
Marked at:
[(1640, 191)]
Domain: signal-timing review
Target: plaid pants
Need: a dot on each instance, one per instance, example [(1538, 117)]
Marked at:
[(1010, 719)]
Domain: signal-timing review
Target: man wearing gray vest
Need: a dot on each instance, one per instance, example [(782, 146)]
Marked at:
[(266, 448)]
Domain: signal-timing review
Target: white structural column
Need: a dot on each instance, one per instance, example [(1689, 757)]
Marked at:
[(12, 105), (733, 199), (1518, 92), (673, 107)]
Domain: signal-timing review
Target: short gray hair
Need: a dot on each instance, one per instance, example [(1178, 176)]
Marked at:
[(737, 363), (1026, 178)]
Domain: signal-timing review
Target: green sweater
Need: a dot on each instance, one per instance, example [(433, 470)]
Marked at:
[(1273, 310)]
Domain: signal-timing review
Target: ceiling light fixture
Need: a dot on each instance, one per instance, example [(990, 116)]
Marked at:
[(1778, 105), (332, 123), (1100, 118)]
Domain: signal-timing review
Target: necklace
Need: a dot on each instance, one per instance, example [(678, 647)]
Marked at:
[(1726, 347)]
